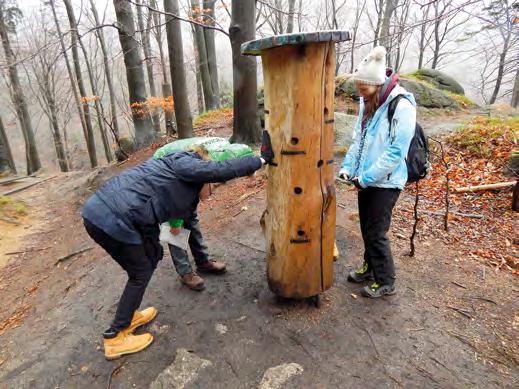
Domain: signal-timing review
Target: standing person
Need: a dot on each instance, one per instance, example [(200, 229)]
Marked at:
[(375, 164), (123, 217), (199, 251)]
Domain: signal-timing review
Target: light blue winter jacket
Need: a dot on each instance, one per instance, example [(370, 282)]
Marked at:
[(382, 161)]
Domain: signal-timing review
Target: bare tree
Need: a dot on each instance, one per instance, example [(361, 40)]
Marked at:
[(6, 156), (74, 36), (209, 19), (146, 46), (166, 86), (201, 56), (359, 11), (178, 77), (114, 125), (144, 133), (425, 36), (196, 71), (46, 72), (401, 35), (515, 92), (246, 126), (384, 37), (500, 12), (8, 15)]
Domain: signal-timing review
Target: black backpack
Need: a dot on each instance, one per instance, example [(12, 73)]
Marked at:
[(417, 159)]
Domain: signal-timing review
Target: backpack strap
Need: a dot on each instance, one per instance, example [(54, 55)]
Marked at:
[(392, 108)]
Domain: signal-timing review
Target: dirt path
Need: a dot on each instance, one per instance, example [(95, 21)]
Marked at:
[(51, 316)]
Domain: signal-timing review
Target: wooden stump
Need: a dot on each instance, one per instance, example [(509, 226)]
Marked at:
[(299, 77)]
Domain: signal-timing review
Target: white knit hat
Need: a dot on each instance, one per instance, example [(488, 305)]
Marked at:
[(372, 69)]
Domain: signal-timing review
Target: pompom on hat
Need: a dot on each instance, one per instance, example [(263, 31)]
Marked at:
[(372, 69)]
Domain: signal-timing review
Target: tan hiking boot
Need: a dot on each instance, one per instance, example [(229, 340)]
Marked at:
[(126, 343), (213, 267), (193, 281), (142, 317)]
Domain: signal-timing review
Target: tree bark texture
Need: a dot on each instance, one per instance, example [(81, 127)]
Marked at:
[(108, 74), (201, 55), (19, 101), (6, 156), (246, 125), (166, 86), (301, 202), (72, 81), (501, 67), (384, 38), (291, 11), (74, 36), (515, 92), (144, 133), (51, 111), (98, 105), (178, 77), (146, 47), (211, 49), (199, 89)]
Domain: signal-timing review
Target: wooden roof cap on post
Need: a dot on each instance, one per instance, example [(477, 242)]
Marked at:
[(257, 47)]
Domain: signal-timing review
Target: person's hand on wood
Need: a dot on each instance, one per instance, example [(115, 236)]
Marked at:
[(267, 154)]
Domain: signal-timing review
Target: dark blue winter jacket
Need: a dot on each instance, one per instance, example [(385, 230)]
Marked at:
[(132, 204)]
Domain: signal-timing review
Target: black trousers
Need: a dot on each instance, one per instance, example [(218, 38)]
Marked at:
[(139, 262), (375, 211)]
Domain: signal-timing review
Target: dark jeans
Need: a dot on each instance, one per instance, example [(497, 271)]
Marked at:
[(139, 261), (196, 244), (375, 210)]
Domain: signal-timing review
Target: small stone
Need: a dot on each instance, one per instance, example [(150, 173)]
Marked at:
[(276, 377), (354, 295), (241, 318), (221, 328), (182, 372)]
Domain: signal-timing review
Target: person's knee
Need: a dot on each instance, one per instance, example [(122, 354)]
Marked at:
[(142, 278)]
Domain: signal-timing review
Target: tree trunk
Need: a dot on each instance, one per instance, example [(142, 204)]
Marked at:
[(54, 126), (71, 78), (98, 106), (211, 49), (178, 77), (18, 98), (6, 156), (144, 133), (384, 38), (246, 125), (146, 47), (380, 12), (515, 92), (108, 74), (199, 89), (500, 69), (81, 85), (201, 53), (166, 86), (291, 11)]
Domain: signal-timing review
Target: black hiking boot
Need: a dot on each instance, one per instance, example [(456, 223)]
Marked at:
[(361, 274), (375, 290)]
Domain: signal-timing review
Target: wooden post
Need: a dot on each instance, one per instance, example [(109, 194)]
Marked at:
[(299, 73)]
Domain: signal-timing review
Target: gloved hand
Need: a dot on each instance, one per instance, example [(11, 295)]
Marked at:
[(266, 148), (355, 181)]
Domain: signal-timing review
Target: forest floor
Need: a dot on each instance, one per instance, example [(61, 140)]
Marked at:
[(453, 323)]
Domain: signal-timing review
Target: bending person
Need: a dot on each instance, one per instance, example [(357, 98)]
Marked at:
[(123, 217)]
